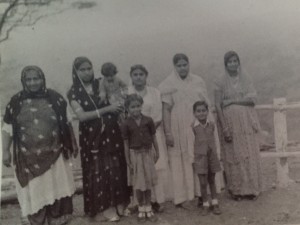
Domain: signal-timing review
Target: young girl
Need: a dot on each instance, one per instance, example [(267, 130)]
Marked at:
[(112, 88), (206, 163), (139, 137)]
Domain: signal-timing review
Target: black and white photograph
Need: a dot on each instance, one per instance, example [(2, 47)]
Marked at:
[(164, 112)]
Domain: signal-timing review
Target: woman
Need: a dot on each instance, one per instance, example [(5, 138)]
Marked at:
[(152, 107), (102, 151), (180, 91), (43, 141), (235, 99)]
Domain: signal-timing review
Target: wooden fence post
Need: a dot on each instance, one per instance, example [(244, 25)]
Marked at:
[(280, 132)]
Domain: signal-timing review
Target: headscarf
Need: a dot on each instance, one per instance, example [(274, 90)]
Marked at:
[(78, 92), (59, 106), (181, 94), (230, 54), (242, 89), (38, 94)]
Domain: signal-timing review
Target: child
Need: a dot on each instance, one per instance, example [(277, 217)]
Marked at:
[(139, 137), (206, 162), (112, 88)]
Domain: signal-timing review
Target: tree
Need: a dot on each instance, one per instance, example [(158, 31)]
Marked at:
[(17, 13), (21, 13)]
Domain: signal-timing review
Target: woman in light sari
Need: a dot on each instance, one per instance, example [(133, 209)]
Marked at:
[(235, 98), (43, 141), (180, 91), (152, 107)]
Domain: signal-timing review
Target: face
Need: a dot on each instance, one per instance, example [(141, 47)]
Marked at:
[(182, 67), (201, 113), (135, 108), (110, 78), (33, 81), (138, 77), (232, 64), (85, 72)]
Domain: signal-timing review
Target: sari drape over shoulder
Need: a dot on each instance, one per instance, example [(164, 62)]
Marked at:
[(181, 95), (42, 143), (101, 150), (241, 157)]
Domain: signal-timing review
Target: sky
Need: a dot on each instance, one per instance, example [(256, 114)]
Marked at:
[(265, 33)]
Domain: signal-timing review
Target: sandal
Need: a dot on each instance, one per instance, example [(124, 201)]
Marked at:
[(236, 197), (141, 215), (114, 219), (216, 210), (157, 208), (251, 197), (151, 216), (205, 211)]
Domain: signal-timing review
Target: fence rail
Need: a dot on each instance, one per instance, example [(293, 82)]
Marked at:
[(279, 106)]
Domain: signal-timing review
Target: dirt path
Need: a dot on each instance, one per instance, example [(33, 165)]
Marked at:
[(274, 206)]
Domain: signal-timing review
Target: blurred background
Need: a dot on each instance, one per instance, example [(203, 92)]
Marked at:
[(264, 33)]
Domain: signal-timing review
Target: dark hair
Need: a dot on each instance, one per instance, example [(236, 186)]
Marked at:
[(178, 57), (109, 69), (230, 54), (138, 67), (199, 103), (79, 61), (133, 97)]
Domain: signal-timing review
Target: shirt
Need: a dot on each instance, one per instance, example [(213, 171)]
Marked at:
[(139, 136), (204, 138)]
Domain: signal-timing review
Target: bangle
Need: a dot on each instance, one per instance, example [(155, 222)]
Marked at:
[(225, 129), (98, 114)]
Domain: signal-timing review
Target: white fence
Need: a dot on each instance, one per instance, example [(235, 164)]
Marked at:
[(279, 106)]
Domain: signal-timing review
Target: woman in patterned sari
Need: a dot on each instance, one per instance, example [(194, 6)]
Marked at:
[(43, 141), (235, 99), (101, 145)]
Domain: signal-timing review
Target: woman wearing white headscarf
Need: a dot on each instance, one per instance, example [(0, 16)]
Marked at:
[(180, 91)]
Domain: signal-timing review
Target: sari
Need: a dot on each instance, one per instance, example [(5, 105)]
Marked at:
[(42, 144), (241, 157), (181, 95), (101, 150)]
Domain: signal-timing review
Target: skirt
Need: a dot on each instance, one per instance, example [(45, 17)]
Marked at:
[(143, 176)]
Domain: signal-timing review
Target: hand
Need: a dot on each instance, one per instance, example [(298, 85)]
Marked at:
[(130, 166), (227, 136), (6, 158), (156, 156), (115, 108), (75, 151), (169, 140)]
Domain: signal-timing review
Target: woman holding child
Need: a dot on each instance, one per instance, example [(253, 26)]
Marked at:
[(180, 91), (235, 98), (101, 145)]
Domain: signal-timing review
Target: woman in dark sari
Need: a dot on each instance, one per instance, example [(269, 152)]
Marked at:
[(43, 141), (101, 145)]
